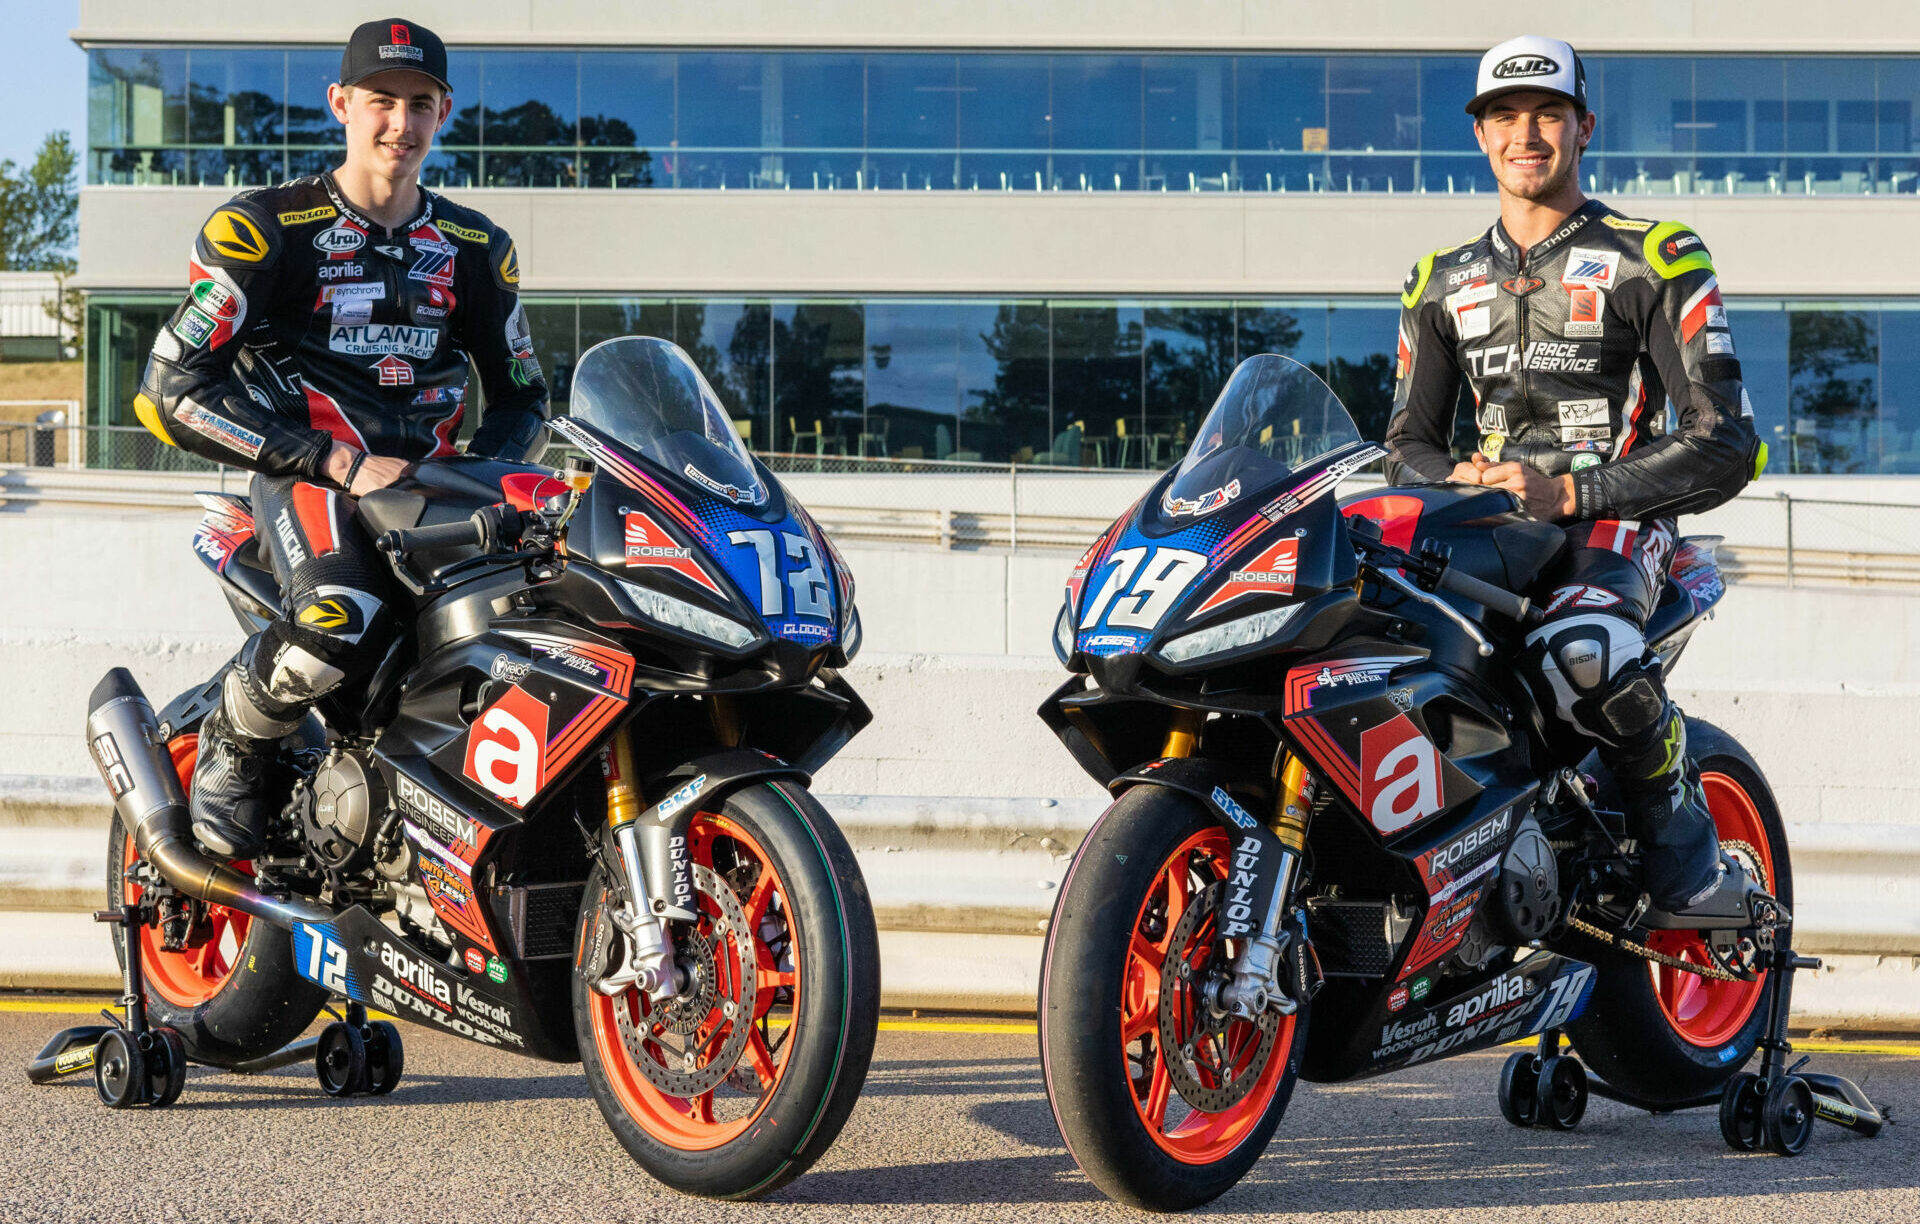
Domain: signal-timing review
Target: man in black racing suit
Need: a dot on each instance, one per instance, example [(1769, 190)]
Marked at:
[(324, 345), (1575, 327)]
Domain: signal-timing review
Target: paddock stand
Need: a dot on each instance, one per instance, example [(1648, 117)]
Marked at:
[(1774, 1108), (134, 1064)]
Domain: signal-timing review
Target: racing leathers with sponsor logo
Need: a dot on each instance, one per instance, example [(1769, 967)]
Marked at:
[(1574, 350), (307, 323)]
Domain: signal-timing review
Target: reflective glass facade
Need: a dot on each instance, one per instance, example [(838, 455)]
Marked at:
[(993, 121), (1835, 385)]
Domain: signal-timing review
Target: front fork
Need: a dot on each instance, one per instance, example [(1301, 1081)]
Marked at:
[(647, 960), (1255, 982)]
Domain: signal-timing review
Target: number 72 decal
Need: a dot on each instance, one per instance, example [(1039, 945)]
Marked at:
[(808, 582), (1151, 585)]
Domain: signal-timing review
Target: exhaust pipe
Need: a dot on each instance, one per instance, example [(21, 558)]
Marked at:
[(135, 765)]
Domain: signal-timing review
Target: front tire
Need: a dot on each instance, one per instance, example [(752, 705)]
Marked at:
[(732, 1096), (1665, 1035), (232, 991), (1147, 878)]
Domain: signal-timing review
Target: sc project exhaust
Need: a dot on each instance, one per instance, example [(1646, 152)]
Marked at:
[(139, 773)]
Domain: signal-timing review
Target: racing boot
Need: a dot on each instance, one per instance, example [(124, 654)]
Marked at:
[(1682, 867), (237, 745)]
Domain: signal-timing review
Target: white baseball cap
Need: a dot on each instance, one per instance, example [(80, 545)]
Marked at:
[(1530, 62)]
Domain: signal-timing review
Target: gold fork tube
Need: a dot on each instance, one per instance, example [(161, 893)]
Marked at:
[(1184, 736)]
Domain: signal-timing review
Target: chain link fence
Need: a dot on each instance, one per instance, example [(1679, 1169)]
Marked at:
[(1771, 536)]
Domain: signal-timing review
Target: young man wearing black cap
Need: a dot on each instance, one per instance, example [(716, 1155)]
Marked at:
[(1575, 327), (324, 345)]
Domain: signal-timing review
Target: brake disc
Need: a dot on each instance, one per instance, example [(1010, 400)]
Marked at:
[(1180, 992), (669, 1045)]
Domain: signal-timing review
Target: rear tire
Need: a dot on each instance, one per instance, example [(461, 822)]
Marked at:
[(748, 1134), (1664, 1035), (1098, 997), (251, 1002)]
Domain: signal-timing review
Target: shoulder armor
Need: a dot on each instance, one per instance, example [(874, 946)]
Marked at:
[(1672, 249), (1423, 271), (504, 262), (1625, 223), (238, 235)]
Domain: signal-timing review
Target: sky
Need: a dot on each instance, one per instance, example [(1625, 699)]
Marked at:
[(44, 88)]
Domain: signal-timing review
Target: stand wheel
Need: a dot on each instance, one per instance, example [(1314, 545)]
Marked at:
[(1519, 1090), (341, 1060), (1786, 1119), (1562, 1092), (119, 1070), (386, 1057), (1740, 1104), (166, 1065)]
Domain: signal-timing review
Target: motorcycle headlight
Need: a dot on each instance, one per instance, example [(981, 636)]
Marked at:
[(850, 636), (690, 618), (1231, 635), (1063, 634)]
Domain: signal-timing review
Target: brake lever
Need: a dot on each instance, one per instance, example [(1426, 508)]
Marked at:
[(1393, 579)]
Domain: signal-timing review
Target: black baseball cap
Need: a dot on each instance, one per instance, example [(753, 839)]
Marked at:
[(382, 46)]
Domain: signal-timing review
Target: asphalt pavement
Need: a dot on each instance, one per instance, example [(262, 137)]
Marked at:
[(953, 1126)]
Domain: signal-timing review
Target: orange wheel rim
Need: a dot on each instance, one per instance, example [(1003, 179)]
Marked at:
[(1702, 1011), (1191, 1137), (730, 1108), (211, 951)]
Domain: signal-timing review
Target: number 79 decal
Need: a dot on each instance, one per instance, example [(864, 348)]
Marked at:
[(1151, 586)]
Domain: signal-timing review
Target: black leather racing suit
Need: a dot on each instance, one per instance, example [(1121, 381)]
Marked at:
[(308, 323), (1574, 349)]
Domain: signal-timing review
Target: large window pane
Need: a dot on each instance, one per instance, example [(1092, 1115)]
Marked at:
[(1900, 388), (912, 121), (1190, 352), (1833, 360), (1280, 121), (729, 341), (137, 101), (726, 103), (818, 356), (1372, 108), (1738, 118), (1360, 338), (1830, 104), (1188, 106), (309, 122), (234, 97), (1760, 334), (926, 363), (1003, 122), (1643, 143), (1008, 419), (1450, 157), (531, 100), (1096, 379), (1096, 121), (626, 102)]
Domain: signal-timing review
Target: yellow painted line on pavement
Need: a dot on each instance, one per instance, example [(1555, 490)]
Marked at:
[(1012, 1028), (1805, 1045), (91, 1007)]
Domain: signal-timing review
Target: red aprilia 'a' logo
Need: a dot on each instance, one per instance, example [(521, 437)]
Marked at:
[(1399, 775), (402, 37), (507, 747)]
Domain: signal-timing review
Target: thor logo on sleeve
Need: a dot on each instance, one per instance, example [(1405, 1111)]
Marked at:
[(506, 747), (1399, 775)]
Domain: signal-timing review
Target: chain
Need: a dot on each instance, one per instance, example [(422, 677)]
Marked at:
[(1659, 958)]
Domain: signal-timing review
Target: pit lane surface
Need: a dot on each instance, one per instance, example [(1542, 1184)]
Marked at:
[(953, 1126)]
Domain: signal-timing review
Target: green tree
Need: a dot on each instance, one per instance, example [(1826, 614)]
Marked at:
[(39, 210)]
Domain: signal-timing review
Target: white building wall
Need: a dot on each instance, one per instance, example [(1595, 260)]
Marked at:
[(1145, 244)]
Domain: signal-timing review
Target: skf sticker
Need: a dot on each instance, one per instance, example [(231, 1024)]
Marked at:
[(232, 236), (326, 212)]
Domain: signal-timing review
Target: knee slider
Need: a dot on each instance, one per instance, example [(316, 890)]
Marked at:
[(1633, 704)]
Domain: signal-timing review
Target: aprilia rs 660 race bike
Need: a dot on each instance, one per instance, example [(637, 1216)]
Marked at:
[(1345, 840), (568, 816)]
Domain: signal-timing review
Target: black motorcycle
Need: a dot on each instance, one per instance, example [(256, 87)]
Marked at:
[(1345, 839), (567, 816)]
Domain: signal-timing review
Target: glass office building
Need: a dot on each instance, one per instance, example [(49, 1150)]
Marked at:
[(1055, 377), (980, 121)]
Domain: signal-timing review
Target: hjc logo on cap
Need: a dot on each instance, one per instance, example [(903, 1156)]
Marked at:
[(1511, 67)]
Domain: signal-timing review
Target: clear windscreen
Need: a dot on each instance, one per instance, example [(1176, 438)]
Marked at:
[(1272, 418), (647, 394)]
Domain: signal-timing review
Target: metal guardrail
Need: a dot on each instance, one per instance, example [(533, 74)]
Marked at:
[(1770, 537)]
